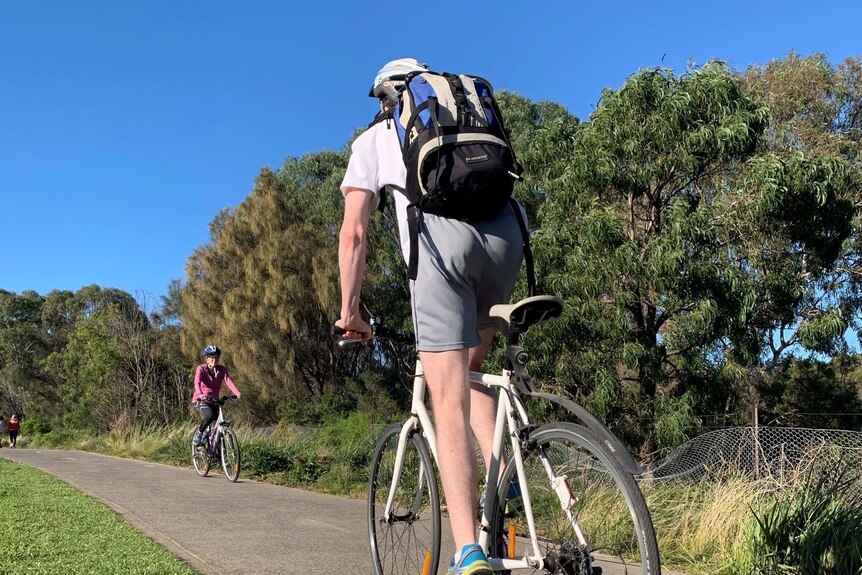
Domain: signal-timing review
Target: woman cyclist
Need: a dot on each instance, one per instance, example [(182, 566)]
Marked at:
[(208, 379)]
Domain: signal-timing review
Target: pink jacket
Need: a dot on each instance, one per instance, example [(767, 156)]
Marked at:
[(209, 386)]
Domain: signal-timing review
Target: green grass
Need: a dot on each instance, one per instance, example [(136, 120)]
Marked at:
[(47, 527)]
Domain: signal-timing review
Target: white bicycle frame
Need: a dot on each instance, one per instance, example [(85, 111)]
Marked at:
[(506, 409)]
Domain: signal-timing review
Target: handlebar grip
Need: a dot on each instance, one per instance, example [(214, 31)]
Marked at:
[(340, 331)]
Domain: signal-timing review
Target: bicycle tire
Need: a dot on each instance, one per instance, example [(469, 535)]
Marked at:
[(200, 458), (609, 506), (409, 541), (229, 454)]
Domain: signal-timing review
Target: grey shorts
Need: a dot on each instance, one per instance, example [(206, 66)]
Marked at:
[(464, 269)]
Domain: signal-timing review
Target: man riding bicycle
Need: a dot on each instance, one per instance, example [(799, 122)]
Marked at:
[(464, 268)]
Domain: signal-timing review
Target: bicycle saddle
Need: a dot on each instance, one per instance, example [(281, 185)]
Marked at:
[(518, 317)]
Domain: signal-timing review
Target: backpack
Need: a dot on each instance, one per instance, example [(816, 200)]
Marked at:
[(459, 161)]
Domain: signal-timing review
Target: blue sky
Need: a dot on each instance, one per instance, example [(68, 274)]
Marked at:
[(125, 126)]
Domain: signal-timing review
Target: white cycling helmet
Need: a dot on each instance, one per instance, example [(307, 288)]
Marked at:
[(390, 79)]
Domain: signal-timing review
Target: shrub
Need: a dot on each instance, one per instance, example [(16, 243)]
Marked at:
[(812, 529), (263, 457)]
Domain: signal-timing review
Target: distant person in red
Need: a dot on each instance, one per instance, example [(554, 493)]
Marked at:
[(208, 379), (13, 427)]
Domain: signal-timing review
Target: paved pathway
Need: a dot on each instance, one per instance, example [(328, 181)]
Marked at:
[(219, 527)]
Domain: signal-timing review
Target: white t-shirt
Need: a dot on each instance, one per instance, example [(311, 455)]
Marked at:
[(375, 162)]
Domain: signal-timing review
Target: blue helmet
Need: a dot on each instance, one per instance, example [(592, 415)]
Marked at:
[(211, 350)]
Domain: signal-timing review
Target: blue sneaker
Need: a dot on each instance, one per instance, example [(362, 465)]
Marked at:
[(514, 501), (471, 562), (196, 440)]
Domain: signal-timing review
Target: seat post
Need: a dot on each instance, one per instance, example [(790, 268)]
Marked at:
[(513, 338)]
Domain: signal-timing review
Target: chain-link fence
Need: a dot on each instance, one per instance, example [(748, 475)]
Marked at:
[(777, 453)]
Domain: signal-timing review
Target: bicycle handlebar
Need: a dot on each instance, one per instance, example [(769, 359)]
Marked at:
[(378, 331)]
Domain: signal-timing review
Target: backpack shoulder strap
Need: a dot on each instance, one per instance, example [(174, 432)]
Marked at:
[(528, 253), (381, 117), (414, 220)]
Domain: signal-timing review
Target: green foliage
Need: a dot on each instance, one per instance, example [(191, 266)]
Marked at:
[(266, 290), (317, 411), (89, 358), (629, 234), (681, 245), (812, 393), (262, 458), (264, 287), (675, 420), (811, 530)]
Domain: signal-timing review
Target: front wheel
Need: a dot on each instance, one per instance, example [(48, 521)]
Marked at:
[(407, 540), (230, 457), (589, 512), (200, 457)]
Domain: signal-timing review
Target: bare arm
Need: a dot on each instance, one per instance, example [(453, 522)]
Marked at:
[(352, 240)]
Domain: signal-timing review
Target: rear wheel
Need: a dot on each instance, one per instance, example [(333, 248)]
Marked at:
[(594, 495), (200, 458), (407, 541), (230, 457)]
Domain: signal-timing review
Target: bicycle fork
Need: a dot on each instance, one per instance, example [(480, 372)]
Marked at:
[(417, 421), (403, 438)]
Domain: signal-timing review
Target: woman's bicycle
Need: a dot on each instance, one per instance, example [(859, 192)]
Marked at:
[(218, 444), (565, 502)]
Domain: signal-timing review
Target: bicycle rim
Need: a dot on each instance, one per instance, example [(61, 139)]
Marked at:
[(200, 459), (408, 541), (608, 507), (230, 455)]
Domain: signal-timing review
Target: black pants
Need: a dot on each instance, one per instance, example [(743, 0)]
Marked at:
[(13, 438), (209, 413)]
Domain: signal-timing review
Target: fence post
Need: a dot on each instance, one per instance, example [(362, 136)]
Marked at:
[(756, 419)]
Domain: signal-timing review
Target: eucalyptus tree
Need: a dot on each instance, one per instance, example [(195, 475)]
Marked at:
[(681, 245), (817, 111)]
